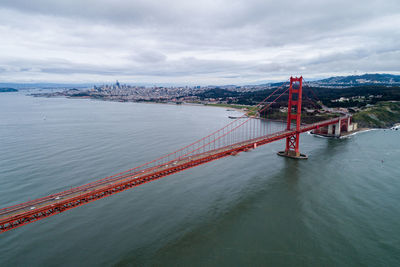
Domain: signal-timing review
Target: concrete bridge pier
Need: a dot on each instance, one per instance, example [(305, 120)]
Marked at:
[(333, 130), (343, 126)]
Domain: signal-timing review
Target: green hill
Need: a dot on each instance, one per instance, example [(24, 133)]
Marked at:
[(382, 115)]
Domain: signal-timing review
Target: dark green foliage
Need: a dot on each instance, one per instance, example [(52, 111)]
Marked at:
[(80, 94), (386, 93), (382, 115), (310, 96), (217, 93), (306, 118), (379, 116), (253, 98)]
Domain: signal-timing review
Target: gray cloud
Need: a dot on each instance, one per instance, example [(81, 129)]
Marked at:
[(148, 56), (216, 41)]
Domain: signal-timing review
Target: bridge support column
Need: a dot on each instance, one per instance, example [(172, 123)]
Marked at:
[(330, 129), (295, 97), (338, 128)]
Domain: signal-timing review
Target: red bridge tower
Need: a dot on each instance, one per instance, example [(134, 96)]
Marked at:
[(294, 113)]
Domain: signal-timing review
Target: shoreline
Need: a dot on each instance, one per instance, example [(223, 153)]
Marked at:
[(358, 131), (395, 126), (228, 108)]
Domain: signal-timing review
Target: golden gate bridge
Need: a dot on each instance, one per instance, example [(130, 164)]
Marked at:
[(242, 134)]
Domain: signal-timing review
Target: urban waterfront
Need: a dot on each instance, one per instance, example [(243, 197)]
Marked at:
[(340, 207)]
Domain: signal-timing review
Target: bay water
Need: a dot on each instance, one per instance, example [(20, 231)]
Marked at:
[(341, 207)]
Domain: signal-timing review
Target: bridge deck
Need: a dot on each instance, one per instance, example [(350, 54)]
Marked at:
[(34, 210)]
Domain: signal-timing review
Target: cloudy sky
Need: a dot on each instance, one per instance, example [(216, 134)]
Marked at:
[(196, 42)]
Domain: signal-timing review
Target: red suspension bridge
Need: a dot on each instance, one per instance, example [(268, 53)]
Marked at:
[(242, 134)]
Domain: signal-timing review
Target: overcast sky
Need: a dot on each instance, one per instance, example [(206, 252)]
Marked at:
[(196, 42)]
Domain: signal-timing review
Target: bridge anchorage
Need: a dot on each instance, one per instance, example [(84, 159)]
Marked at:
[(294, 104)]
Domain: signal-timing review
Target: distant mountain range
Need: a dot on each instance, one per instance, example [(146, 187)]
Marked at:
[(361, 79), (351, 80)]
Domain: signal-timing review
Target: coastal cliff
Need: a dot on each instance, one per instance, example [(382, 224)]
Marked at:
[(381, 115)]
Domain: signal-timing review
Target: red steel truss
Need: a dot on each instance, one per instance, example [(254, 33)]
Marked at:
[(295, 99), (242, 134)]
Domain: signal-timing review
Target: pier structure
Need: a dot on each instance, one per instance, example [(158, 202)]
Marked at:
[(343, 126)]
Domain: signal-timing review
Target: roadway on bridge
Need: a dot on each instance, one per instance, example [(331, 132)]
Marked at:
[(27, 212)]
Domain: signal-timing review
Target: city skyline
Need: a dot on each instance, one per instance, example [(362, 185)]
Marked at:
[(180, 42)]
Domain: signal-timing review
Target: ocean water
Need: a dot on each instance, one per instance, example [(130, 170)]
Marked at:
[(341, 207)]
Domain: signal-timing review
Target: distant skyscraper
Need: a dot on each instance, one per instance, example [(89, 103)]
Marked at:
[(117, 84)]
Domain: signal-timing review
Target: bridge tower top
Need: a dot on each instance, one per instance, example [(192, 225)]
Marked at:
[(295, 97)]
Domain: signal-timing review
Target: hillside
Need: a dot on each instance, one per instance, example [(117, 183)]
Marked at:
[(382, 115)]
